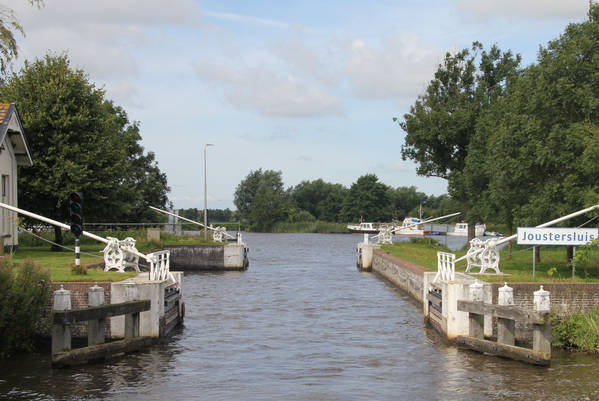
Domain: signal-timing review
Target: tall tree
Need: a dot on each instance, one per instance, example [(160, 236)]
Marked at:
[(79, 142), (368, 199), (440, 126), (544, 135), (261, 199)]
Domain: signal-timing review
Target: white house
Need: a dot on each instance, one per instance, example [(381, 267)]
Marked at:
[(13, 152)]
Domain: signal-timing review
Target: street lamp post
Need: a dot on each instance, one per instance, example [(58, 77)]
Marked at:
[(206, 195)]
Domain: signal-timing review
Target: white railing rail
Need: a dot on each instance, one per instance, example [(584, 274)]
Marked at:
[(159, 265), (445, 267)]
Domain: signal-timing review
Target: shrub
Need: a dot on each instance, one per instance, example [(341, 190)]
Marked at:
[(24, 294), (580, 330)]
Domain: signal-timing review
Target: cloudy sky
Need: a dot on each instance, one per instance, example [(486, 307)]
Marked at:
[(309, 88)]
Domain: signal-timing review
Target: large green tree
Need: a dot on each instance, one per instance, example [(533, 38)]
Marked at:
[(367, 199), (80, 142), (318, 198), (544, 134), (261, 199), (441, 125)]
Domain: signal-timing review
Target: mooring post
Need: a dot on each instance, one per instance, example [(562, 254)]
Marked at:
[(61, 333), (541, 336), (506, 328), (131, 319), (95, 327), (476, 321)]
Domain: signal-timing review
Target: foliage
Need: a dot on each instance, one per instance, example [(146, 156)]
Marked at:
[(80, 141), (317, 226), (440, 127), (24, 294), (261, 199), (544, 134), (580, 330), (367, 199), (217, 215), (321, 199)]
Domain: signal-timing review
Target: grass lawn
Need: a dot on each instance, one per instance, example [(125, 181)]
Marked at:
[(553, 265), (60, 263)]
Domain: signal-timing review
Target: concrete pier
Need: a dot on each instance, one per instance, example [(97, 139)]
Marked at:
[(208, 257)]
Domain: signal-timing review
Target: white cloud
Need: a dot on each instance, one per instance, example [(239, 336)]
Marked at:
[(103, 38), (269, 92), (400, 67), (530, 9)]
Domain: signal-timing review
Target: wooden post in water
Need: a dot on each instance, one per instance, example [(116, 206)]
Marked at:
[(476, 321), (506, 328), (541, 336), (95, 327), (61, 333)]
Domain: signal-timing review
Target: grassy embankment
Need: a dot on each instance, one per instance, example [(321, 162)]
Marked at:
[(553, 266), (61, 264)]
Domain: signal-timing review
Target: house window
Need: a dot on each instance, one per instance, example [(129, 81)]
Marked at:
[(4, 185)]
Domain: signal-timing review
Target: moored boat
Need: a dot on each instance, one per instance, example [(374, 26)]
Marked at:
[(461, 230), (363, 228), (410, 226)]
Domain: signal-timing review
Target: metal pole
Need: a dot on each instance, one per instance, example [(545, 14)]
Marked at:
[(77, 252), (205, 194), (534, 262)]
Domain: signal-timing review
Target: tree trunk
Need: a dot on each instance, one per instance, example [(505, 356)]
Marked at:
[(57, 239), (471, 231), (537, 254)]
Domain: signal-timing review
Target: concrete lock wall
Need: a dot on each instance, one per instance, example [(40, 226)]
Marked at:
[(405, 275), (208, 257), (150, 321)]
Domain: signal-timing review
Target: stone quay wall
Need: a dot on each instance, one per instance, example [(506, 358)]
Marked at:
[(406, 275)]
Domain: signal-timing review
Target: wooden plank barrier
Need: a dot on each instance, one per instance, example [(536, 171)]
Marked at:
[(507, 315), (63, 317)]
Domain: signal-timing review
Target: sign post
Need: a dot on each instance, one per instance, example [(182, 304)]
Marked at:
[(552, 236)]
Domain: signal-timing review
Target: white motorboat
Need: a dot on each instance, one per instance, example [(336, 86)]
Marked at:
[(363, 228), (461, 230), (410, 226)]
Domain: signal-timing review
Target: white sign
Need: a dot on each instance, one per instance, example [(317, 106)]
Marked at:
[(556, 236)]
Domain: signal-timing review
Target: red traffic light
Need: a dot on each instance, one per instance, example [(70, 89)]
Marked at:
[(76, 197)]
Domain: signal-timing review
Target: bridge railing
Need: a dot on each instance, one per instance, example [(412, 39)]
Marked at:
[(159, 265)]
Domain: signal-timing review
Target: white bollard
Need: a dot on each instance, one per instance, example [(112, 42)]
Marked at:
[(95, 327), (61, 333), (541, 300), (95, 296), (365, 238), (506, 328), (62, 299), (505, 295), (476, 292)]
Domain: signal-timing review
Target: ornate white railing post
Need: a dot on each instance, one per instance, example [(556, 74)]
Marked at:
[(445, 267)]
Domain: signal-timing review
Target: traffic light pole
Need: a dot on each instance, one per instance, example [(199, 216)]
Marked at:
[(77, 252)]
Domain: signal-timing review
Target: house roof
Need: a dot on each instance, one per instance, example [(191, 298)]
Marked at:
[(10, 124)]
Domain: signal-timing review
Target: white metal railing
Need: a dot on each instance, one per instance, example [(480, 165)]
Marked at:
[(445, 267), (159, 265)]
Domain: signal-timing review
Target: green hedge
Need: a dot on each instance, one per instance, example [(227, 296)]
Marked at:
[(24, 295)]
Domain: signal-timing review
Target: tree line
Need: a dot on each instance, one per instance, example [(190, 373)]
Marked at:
[(262, 201), (518, 145), (80, 141)]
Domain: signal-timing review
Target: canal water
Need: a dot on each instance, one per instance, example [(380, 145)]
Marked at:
[(301, 324)]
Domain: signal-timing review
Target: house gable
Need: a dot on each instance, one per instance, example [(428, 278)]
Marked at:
[(12, 130)]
